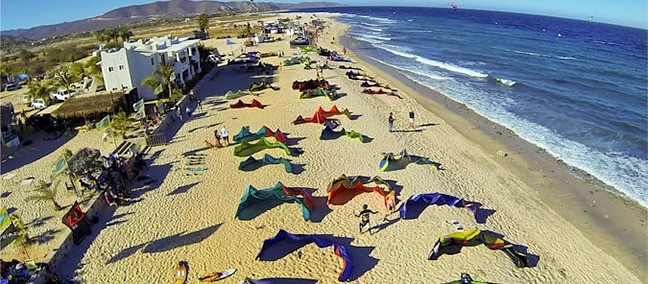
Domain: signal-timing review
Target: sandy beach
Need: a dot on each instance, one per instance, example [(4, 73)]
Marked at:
[(191, 217)]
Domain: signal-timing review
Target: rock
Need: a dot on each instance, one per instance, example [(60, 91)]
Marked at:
[(502, 153)]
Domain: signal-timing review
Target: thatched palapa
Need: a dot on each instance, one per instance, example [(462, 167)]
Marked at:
[(84, 106)]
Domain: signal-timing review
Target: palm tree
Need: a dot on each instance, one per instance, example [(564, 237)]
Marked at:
[(160, 76), (203, 22), (45, 192), (39, 90), (119, 124), (93, 69), (21, 229), (63, 79)]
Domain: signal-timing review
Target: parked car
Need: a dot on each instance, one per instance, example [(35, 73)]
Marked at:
[(38, 104), (11, 87), (62, 95)]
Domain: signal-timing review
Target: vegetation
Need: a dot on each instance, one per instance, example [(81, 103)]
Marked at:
[(45, 192), (203, 22), (39, 89), (21, 229), (160, 76), (119, 124)]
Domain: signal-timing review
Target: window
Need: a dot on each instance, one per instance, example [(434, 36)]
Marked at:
[(110, 69), (152, 61), (121, 67), (163, 59)]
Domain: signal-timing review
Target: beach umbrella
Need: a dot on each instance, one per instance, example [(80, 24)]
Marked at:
[(230, 43)]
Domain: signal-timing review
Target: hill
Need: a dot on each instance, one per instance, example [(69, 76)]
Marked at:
[(138, 13)]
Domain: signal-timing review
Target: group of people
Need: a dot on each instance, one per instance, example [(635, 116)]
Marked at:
[(219, 135), (391, 119)]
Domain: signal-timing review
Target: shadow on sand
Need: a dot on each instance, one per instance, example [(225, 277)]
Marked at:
[(42, 145)]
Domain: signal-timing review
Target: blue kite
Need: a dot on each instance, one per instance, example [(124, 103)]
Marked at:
[(304, 239), (411, 209)]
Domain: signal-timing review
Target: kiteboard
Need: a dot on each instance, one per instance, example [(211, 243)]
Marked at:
[(215, 276), (197, 169)]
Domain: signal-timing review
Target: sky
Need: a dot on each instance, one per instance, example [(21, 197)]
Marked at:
[(15, 14)]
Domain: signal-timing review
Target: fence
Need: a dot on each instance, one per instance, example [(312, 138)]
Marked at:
[(156, 139)]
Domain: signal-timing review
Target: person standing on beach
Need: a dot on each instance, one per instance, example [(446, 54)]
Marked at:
[(225, 136), (364, 218), (179, 112), (344, 50), (391, 121), (218, 142), (199, 102), (411, 119)]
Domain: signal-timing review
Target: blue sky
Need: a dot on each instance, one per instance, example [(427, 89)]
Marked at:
[(30, 13)]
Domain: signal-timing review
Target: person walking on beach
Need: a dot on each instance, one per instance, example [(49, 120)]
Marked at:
[(225, 136), (199, 103), (391, 121), (411, 119), (364, 218), (179, 112)]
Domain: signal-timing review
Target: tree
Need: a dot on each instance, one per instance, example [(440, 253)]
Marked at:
[(100, 35), (119, 124), (63, 79), (124, 33), (25, 55), (21, 229), (94, 70), (203, 22), (39, 90), (45, 192), (77, 71), (160, 76)]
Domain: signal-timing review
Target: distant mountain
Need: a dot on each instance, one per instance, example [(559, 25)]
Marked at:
[(175, 8)]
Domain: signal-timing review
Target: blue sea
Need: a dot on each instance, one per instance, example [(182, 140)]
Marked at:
[(575, 88)]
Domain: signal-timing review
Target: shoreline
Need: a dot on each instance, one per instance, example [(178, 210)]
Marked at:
[(593, 207)]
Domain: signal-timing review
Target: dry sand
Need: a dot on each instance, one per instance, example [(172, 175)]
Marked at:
[(192, 217)]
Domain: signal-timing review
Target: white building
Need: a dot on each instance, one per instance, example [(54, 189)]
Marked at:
[(128, 67)]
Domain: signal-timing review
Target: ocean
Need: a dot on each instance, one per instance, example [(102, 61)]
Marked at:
[(575, 88)]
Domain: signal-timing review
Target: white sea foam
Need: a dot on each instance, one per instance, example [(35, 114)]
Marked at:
[(395, 50), (566, 58), (383, 20), (626, 173), (377, 37), (369, 24), (370, 28), (451, 67), (413, 70), (506, 82), (366, 39)]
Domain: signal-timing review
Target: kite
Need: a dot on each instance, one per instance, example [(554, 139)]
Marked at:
[(452, 243), (278, 192), (299, 240), (411, 208)]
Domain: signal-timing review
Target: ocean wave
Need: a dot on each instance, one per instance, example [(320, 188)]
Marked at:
[(366, 39), (369, 24), (505, 82), (383, 20), (626, 173), (417, 72), (377, 37), (451, 67), (370, 28), (396, 50), (434, 63), (542, 55)]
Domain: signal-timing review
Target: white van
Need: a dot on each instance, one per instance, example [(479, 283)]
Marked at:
[(62, 95)]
